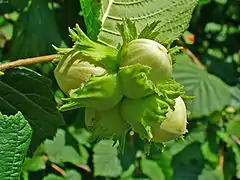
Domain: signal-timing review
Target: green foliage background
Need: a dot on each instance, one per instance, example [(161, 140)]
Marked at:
[(210, 149)]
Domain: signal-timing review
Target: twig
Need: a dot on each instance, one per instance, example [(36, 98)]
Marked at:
[(28, 61), (54, 166), (221, 159), (221, 153), (194, 58), (58, 169), (84, 167), (236, 140), (61, 171), (191, 55)]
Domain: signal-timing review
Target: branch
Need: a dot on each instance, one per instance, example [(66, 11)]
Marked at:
[(236, 140), (194, 58), (191, 55), (28, 61), (54, 166)]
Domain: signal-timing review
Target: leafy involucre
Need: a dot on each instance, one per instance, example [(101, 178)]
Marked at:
[(106, 123), (211, 93), (136, 76), (26, 91), (15, 137), (100, 92), (173, 17), (106, 162)]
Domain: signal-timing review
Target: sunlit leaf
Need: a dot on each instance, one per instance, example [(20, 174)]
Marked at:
[(101, 17), (211, 93)]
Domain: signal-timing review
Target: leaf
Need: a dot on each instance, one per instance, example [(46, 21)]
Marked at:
[(34, 32), (105, 160), (235, 93), (82, 136), (211, 93), (186, 164), (72, 175), (208, 154), (53, 177), (15, 137), (197, 134), (230, 143), (101, 17), (34, 164), (233, 128), (18, 4), (126, 175), (210, 174), (68, 175), (237, 160), (151, 169), (26, 91), (59, 153)]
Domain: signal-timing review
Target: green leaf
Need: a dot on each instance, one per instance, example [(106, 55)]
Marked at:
[(36, 163), (151, 169), (68, 175), (105, 160), (186, 164), (91, 11), (210, 174), (34, 32), (100, 92), (18, 4), (235, 93), (126, 175), (208, 154), (173, 16), (164, 160), (197, 134), (72, 175), (53, 177), (59, 153), (81, 135), (29, 92), (15, 137), (233, 128), (230, 143), (211, 93), (237, 160)]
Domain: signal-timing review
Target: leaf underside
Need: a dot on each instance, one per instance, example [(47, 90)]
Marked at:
[(173, 17), (15, 137)]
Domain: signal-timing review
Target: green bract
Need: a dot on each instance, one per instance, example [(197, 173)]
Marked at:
[(142, 113), (102, 92), (174, 125), (154, 66), (106, 123), (153, 119), (87, 74), (73, 70)]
